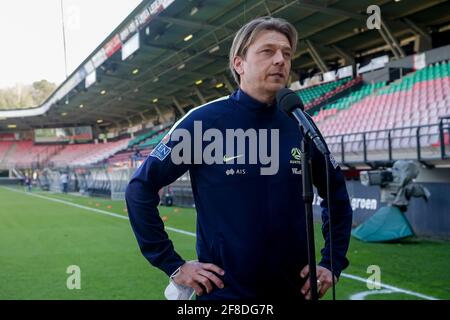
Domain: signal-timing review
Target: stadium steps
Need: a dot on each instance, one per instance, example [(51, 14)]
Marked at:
[(310, 94), (334, 95)]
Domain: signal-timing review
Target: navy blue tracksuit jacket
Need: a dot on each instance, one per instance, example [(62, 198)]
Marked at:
[(251, 225)]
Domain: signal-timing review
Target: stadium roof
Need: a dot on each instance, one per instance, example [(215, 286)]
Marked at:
[(183, 43)]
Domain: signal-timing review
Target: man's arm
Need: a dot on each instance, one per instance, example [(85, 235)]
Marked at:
[(341, 212), (142, 199)]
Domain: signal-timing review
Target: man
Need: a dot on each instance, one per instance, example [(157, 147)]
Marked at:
[(135, 156), (28, 182), (64, 181), (251, 233)]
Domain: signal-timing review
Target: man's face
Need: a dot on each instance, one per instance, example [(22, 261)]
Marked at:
[(265, 68)]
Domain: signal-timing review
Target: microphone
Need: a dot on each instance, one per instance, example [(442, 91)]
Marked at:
[(290, 102)]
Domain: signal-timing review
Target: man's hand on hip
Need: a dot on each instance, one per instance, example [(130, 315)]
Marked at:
[(324, 281), (196, 274)]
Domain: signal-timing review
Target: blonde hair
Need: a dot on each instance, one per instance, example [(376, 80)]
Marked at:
[(247, 34)]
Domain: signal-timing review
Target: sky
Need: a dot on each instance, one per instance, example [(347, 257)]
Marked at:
[(32, 38)]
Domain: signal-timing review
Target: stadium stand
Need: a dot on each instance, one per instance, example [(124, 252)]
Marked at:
[(403, 109), (24, 154), (85, 154)]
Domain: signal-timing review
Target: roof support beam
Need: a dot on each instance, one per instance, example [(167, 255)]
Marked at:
[(142, 116), (414, 27), (391, 41), (269, 13), (130, 123), (348, 59), (178, 106), (228, 85), (423, 41), (316, 57), (158, 111), (192, 102), (199, 95)]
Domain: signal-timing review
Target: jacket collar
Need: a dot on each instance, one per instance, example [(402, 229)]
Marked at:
[(249, 102)]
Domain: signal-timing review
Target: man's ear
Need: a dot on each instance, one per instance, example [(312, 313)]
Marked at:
[(238, 65)]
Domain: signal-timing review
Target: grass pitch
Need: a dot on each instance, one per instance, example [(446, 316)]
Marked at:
[(42, 234)]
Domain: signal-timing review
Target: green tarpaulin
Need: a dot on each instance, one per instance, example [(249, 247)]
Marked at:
[(387, 224)]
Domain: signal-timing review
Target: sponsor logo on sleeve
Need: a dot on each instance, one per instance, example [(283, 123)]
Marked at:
[(161, 151)]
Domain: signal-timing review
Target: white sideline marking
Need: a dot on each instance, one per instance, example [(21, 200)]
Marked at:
[(345, 275), (392, 288), (91, 209), (364, 294)]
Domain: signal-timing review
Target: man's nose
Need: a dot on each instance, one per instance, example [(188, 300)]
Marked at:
[(278, 58)]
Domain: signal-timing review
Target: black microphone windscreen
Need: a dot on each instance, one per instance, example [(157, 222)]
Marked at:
[(288, 100)]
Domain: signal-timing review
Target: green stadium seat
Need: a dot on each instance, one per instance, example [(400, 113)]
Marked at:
[(312, 93)]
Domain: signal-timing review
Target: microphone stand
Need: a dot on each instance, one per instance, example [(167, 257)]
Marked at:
[(308, 196), (289, 103)]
